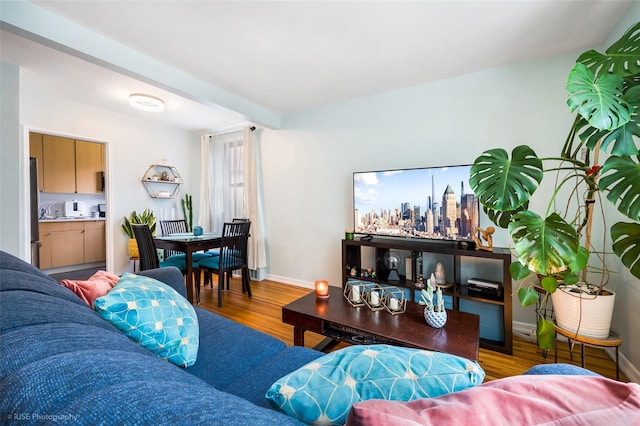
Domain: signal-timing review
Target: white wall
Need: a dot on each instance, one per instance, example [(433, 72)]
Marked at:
[(308, 164), (11, 236), (132, 146)]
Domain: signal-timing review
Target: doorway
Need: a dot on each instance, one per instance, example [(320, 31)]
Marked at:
[(68, 217)]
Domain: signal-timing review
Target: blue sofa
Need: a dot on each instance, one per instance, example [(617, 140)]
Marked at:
[(60, 362)]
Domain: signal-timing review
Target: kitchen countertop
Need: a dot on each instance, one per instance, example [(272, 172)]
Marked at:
[(73, 219)]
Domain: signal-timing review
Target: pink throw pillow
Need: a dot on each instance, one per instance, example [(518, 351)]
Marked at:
[(519, 400), (97, 286)]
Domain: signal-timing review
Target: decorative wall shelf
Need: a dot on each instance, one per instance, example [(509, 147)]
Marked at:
[(162, 181)]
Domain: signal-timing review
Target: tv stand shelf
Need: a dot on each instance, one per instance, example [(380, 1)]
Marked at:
[(461, 264)]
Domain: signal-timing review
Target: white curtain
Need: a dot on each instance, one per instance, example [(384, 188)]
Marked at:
[(222, 197), (253, 195), (204, 211), (231, 188)]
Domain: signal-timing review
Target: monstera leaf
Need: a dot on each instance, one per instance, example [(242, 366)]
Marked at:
[(622, 58), (502, 184), (621, 180), (621, 140), (626, 245), (599, 101), (546, 246), (503, 218)]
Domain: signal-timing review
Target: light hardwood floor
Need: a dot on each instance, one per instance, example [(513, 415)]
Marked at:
[(264, 312)]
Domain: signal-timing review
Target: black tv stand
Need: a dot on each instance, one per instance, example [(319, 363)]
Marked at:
[(461, 264)]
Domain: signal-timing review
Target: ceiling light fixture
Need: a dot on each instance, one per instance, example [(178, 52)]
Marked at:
[(146, 102)]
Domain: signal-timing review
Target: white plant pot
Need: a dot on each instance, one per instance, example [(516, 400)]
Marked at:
[(582, 313)]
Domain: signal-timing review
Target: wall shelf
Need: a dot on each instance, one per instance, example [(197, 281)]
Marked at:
[(162, 181)]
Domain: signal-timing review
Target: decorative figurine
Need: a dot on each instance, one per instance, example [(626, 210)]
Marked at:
[(440, 279), (481, 234)]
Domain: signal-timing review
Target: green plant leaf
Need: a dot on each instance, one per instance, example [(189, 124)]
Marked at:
[(626, 245), (548, 245), (620, 141), (570, 278), (622, 58), (503, 218), (546, 333), (502, 184), (579, 262), (549, 283), (600, 102), (621, 181), (527, 296), (518, 271)]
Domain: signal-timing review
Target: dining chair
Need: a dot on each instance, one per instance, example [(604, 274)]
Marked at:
[(233, 256), (216, 252), (149, 254), (178, 226)]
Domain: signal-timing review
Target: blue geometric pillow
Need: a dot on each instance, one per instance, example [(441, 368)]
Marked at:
[(154, 315), (324, 390)]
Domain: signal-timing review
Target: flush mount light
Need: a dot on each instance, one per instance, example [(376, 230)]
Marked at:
[(146, 102)]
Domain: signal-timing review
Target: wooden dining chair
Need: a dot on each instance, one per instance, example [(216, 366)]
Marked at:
[(233, 256), (149, 254), (216, 252)]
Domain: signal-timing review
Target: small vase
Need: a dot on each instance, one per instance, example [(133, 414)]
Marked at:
[(435, 319), (132, 248)]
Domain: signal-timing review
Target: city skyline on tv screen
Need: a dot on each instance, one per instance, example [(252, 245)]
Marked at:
[(434, 202)]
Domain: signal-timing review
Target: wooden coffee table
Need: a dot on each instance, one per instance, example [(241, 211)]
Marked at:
[(338, 320)]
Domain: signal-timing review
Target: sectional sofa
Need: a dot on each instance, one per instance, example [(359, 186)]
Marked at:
[(63, 363), (60, 362)]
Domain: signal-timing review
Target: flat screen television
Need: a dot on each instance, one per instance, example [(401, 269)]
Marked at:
[(433, 203)]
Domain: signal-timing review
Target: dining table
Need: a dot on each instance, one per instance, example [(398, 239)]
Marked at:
[(188, 243)]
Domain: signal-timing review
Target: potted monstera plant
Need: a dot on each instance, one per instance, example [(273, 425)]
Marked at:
[(599, 158)]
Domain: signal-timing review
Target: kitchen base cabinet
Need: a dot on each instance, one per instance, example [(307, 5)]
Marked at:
[(94, 242), (68, 245), (71, 243)]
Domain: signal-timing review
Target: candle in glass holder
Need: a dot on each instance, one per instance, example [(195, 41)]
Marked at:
[(322, 289), (355, 294), (393, 304), (374, 298)]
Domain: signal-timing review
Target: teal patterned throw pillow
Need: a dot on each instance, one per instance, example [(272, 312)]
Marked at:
[(154, 315), (323, 391)]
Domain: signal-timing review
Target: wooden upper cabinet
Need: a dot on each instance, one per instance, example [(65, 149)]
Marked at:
[(89, 167), (35, 150), (59, 164), (66, 165)]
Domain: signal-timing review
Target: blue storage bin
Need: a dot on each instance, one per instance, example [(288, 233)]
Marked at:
[(491, 324)]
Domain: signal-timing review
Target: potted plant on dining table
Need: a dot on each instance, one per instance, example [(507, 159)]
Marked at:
[(556, 245)]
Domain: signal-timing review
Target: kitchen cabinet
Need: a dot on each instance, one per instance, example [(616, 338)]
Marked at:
[(67, 165), (45, 237), (59, 164), (89, 167), (94, 242), (74, 242)]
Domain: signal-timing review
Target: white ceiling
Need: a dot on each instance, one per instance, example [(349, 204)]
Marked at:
[(290, 56)]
